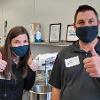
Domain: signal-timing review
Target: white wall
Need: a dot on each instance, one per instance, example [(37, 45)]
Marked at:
[(24, 12), (1, 17), (55, 11), (17, 12)]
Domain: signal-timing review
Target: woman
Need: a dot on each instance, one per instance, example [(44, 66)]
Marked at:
[(17, 69)]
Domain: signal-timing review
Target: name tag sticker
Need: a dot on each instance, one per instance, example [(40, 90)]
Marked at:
[(70, 62)]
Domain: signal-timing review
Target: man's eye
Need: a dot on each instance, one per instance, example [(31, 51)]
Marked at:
[(26, 41), (81, 23), (91, 21)]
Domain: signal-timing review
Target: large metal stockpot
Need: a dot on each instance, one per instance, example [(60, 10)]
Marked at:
[(40, 92)]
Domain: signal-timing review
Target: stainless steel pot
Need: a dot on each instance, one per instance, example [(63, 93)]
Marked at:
[(40, 92)]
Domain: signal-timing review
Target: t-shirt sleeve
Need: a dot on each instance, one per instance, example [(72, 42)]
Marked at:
[(55, 77)]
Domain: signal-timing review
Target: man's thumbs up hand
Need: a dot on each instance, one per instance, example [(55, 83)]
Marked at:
[(3, 63), (92, 64)]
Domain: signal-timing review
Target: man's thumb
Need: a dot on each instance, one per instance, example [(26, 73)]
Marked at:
[(93, 52)]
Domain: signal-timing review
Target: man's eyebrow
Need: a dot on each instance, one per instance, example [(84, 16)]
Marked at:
[(80, 20), (91, 19)]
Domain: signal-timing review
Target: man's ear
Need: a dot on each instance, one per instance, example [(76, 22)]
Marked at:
[(98, 22), (99, 26)]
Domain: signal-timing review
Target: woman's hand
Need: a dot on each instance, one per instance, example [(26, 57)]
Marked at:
[(3, 63), (32, 64)]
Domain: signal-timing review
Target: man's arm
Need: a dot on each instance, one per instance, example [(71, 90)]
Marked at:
[(55, 93)]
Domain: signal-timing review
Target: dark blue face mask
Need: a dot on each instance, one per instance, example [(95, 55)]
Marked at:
[(87, 33), (20, 50)]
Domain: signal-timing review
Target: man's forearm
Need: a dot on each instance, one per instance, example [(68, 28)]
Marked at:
[(55, 93)]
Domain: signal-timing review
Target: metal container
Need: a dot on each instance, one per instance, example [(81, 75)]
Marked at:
[(40, 92)]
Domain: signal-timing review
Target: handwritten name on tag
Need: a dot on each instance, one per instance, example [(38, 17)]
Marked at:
[(70, 62)]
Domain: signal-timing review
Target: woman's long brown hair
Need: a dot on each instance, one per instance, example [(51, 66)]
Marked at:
[(7, 54)]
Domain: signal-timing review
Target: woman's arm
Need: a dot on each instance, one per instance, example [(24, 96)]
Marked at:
[(29, 80)]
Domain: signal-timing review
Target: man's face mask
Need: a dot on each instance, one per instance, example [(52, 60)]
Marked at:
[(21, 50), (87, 33)]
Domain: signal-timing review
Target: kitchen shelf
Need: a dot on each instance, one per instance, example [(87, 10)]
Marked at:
[(53, 44)]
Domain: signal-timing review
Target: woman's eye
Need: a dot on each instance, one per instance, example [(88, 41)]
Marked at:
[(16, 42)]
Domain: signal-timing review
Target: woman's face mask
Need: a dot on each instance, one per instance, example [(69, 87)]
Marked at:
[(20, 50), (87, 33)]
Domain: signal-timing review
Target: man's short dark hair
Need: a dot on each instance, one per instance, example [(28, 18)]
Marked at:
[(83, 8)]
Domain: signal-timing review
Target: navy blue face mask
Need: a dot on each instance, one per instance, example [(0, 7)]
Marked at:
[(20, 50), (87, 33)]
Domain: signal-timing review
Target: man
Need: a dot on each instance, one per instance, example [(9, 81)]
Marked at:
[(76, 71)]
